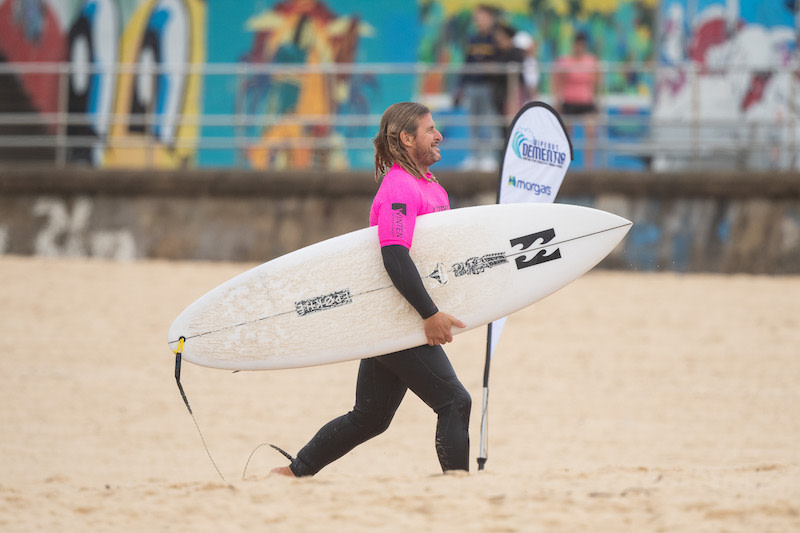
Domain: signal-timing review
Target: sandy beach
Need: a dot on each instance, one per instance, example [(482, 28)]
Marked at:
[(624, 402)]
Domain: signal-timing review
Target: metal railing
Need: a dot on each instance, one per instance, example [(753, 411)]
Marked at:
[(627, 125)]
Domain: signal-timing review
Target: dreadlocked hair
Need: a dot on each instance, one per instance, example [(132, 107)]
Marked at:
[(403, 116)]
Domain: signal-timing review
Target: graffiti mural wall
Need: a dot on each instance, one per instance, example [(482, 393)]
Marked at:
[(131, 86), (159, 101), (145, 89), (731, 64), (283, 115), (306, 33), (137, 88), (35, 31)]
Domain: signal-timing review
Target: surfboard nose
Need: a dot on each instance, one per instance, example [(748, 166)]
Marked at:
[(605, 221), (617, 226), (624, 223), (609, 219)]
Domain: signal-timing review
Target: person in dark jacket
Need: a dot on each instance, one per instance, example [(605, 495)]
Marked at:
[(476, 90)]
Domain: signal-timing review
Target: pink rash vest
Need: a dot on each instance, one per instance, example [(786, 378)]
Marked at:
[(401, 198), (578, 78)]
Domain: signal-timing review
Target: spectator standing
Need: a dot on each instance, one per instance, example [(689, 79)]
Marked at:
[(476, 90), (575, 85)]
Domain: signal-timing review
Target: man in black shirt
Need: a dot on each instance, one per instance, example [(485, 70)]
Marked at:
[(476, 89)]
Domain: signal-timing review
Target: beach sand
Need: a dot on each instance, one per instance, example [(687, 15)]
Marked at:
[(624, 402)]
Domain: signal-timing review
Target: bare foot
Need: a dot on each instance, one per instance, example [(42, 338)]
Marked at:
[(282, 471)]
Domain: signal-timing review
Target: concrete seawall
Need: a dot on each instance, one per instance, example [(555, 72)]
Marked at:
[(701, 222)]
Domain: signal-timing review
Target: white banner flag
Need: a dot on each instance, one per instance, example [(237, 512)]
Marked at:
[(537, 154)]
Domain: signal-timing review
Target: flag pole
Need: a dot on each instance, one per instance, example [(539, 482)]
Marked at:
[(484, 411), (482, 457)]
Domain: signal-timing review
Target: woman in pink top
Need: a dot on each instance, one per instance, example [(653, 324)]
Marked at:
[(406, 145), (575, 83)]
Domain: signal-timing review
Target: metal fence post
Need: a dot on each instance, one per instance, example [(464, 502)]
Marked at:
[(63, 115), (695, 112)]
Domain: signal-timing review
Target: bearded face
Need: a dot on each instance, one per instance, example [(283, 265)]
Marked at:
[(425, 147)]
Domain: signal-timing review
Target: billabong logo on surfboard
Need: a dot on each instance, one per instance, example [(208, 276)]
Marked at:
[(528, 241), (528, 148), (477, 265)]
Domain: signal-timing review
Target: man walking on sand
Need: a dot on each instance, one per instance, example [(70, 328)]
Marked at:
[(406, 146)]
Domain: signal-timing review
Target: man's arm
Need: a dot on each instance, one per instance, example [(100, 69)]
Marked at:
[(406, 279)]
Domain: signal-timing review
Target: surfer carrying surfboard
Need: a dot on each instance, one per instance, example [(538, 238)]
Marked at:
[(406, 146)]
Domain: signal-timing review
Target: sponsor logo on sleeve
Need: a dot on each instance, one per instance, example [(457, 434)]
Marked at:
[(398, 215)]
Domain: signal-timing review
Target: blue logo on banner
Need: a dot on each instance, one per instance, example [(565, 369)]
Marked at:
[(536, 151)]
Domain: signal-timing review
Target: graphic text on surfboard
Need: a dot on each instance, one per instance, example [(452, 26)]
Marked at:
[(476, 265), (324, 302)]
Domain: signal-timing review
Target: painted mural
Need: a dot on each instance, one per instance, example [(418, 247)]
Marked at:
[(131, 60), (35, 31), (292, 120), (309, 33), (144, 74), (731, 65)]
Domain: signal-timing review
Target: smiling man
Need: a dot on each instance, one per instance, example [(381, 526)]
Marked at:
[(406, 146)]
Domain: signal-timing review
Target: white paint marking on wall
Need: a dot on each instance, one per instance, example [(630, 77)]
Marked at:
[(66, 232), (790, 234), (118, 245), (3, 239)]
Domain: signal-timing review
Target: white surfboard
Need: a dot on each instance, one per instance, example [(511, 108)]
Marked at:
[(333, 301)]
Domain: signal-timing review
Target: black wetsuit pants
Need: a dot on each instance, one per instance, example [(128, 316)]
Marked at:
[(382, 383)]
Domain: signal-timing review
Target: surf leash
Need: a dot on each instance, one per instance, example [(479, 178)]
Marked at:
[(178, 352), (280, 450)]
